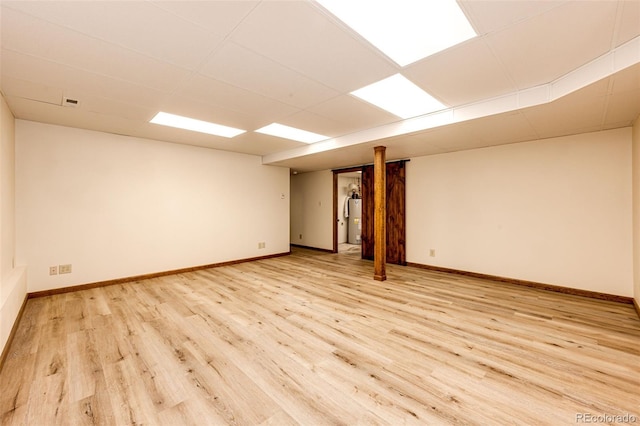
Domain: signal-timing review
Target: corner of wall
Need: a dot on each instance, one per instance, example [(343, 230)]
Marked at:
[(636, 210), (13, 282), (11, 304), (311, 209)]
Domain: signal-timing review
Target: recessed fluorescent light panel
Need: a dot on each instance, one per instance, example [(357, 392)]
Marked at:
[(400, 97), (404, 30), (187, 123), (292, 133)]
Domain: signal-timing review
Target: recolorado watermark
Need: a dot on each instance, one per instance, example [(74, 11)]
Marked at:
[(606, 418)]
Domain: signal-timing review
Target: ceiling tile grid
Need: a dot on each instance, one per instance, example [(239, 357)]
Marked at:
[(219, 17), (473, 73), (628, 22), (24, 34), (299, 36), (545, 47), (246, 64), (233, 98), (136, 25), (241, 67)]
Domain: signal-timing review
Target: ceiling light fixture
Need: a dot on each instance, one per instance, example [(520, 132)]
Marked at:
[(405, 30), (186, 123), (282, 131), (400, 97)]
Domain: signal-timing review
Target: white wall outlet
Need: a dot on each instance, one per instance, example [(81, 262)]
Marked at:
[(432, 252), (53, 270), (262, 245), (64, 269)]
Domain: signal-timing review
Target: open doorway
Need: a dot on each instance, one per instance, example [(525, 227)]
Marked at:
[(348, 211), (395, 206)]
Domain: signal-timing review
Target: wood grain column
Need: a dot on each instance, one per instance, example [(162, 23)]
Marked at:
[(380, 214)]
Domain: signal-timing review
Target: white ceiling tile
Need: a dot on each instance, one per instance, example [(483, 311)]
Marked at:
[(137, 25), (626, 80), (114, 108), (243, 68), (546, 47), (193, 108), (629, 27), (72, 117), (226, 96), (503, 128), (442, 139), (490, 16), (300, 36), (623, 107), (26, 35), (352, 113), (66, 78), (252, 142), (572, 114), (407, 146), (30, 90), (219, 17), (311, 122), (472, 73)]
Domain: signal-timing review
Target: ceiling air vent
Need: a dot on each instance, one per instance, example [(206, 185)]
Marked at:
[(70, 102)]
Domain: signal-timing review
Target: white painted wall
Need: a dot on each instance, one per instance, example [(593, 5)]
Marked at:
[(555, 211), (13, 288), (636, 209), (116, 206), (311, 206)]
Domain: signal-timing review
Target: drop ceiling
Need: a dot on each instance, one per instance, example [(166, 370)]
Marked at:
[(537, 69)]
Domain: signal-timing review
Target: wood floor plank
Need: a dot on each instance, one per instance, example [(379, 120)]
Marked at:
[(311, 339)]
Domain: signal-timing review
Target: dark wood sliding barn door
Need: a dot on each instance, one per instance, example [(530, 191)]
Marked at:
[(396, 226), (366, 234)]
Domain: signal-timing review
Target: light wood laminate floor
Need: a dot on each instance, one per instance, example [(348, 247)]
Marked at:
[(312, 339)]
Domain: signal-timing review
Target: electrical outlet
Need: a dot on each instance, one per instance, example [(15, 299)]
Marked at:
[(64, 269), (432, 252), (262, 245), (53, 270), (300, 237)]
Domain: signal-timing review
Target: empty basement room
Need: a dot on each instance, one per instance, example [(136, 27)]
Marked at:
[(173, 195)]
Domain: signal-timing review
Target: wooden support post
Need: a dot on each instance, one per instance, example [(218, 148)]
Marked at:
[(380, 214)]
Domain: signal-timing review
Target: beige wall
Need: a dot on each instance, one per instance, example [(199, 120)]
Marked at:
[(116, 206), (13, 288), (554, 211), (311, 209), (636, 210)]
